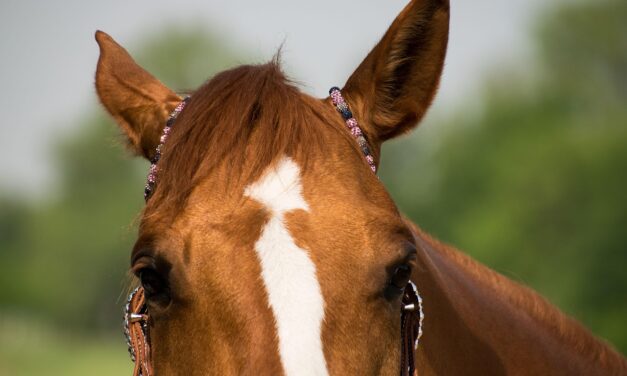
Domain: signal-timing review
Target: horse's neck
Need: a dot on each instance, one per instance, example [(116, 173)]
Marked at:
[(478, 322)]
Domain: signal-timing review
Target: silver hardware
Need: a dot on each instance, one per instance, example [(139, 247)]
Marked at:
[(420, 312), (134, 317)]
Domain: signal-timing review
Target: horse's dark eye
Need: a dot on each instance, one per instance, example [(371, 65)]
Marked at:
[(155, 286), (401, 276), (398, 281)]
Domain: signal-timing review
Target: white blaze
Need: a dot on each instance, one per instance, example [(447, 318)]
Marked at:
[(289, 274)]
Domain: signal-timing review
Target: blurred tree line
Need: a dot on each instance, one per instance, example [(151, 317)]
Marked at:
[(532, 184)]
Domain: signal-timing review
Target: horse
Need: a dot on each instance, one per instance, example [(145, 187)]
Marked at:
[(268, 246)]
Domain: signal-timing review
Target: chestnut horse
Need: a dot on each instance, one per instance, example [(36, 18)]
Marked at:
[(269, 247)]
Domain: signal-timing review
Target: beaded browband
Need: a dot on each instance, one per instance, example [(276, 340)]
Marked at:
[(151, 180), (353, 126)]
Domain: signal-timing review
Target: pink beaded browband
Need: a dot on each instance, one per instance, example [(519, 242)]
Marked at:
[(151, 180), (353, 126), (338, 101)]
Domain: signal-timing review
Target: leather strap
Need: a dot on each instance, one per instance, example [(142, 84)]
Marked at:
[(137, 319), (411, 315)]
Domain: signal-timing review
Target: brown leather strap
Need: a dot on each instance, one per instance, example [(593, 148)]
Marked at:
[(138, 334), (410, 330)]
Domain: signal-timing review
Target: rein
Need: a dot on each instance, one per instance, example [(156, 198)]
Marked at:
[(137, 317)]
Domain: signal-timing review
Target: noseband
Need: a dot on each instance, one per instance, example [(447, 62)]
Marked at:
[(136, 315)]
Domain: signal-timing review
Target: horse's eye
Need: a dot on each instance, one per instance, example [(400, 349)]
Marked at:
[(398, 281), (156, 287), (401, 276)]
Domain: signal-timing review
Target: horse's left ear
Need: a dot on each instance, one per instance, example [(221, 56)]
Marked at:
[(393, 87), (138, 102)]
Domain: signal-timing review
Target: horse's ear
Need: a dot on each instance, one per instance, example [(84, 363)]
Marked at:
[(139, 103), (393, 87)]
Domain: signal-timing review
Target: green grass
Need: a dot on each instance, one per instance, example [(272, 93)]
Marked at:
[(29, 348)]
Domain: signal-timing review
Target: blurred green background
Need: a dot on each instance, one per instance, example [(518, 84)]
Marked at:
[(528, 177)]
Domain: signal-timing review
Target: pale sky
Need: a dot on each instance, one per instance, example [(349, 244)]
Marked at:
[(48, 54)]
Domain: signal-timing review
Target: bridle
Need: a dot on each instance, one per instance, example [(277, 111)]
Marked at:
[(136, 315), (136, 323)]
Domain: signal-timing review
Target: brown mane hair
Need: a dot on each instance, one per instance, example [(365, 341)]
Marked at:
[(244, 117)]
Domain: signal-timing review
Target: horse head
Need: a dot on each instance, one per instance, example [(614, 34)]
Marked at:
[(267, 245)]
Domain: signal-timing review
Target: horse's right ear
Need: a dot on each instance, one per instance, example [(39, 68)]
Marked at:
[(139, 103)]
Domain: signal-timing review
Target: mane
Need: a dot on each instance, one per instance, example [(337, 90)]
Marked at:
[(244, 117)]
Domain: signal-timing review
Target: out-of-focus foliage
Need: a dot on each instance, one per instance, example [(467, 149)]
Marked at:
[(28, 347), (69, 263), (535, 183)]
